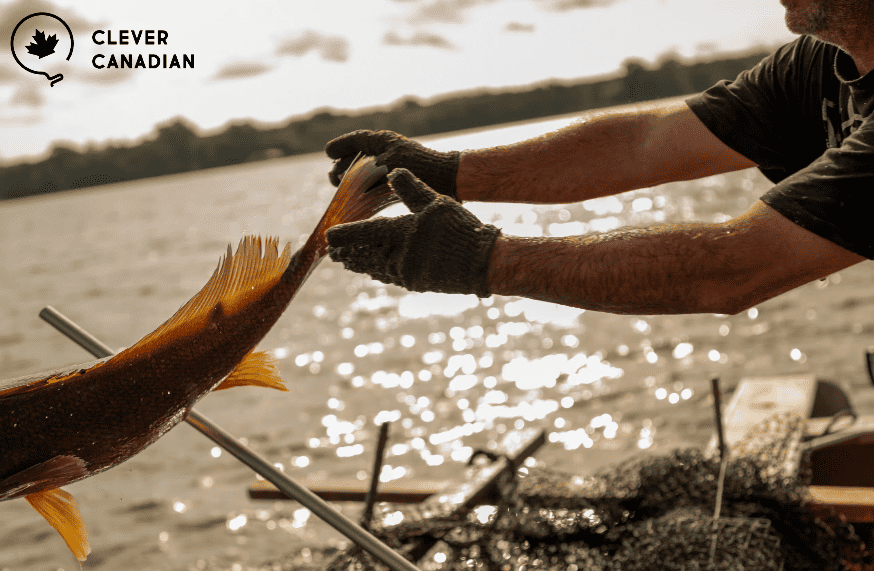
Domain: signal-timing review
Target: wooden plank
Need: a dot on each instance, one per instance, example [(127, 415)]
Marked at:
[(855, 503), (517, 445), (757, 399), (861, 431), (349, 490), (480, 486)]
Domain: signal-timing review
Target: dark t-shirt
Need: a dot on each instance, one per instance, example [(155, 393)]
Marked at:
[(807, 120)]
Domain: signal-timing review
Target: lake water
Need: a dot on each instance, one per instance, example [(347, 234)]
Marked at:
[(452, 372)]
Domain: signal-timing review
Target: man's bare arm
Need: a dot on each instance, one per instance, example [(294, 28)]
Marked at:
[(672, 268), (605, 153)]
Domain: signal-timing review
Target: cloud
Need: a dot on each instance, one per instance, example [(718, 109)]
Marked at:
[(27, 96), (9, 74), (443, 11), (455, 11), (94, 76), (565, 5), (242, 69), (11, 118), (330, 48), (419, 38), (11, 14), (519, 27)]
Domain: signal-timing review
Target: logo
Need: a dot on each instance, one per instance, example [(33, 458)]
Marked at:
[(42, 46)]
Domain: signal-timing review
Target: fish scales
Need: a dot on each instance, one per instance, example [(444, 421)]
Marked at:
[(66, 425), (117, 408)]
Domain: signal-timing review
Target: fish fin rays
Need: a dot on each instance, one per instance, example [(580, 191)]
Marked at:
[(355, 199), (257, 369), (239, 280), (62, 512), (45, 475)]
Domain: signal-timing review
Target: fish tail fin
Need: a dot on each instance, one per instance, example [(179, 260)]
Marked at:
[(62, 512), (355, 199), (257, 369), (240, 279)]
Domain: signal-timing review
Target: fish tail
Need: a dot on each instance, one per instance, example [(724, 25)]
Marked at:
[(247, 276), (355, 199)]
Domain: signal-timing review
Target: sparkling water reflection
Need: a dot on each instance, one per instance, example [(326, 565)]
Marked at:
[(452, 373)]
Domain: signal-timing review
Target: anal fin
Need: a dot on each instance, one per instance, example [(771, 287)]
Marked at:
[(62, 512), (257, 369)]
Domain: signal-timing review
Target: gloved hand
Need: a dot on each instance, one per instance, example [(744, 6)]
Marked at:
[(438, 170), (440, 247)]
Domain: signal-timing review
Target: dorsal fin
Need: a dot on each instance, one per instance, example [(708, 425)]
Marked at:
[(239, 280)]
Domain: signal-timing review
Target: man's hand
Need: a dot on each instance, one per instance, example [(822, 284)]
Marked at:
[(439, 247), (438, 170)]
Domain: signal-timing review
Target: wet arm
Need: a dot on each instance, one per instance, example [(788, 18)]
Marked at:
[(673, 268), (604, 153)]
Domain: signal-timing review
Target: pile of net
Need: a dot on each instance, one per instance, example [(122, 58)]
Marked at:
[(654, 513)]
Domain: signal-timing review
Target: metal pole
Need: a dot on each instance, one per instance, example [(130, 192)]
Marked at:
[(717, 409), (723, 464), (248, 456), (370, 498)]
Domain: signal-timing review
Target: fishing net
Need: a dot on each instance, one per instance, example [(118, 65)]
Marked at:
[(653, 513)]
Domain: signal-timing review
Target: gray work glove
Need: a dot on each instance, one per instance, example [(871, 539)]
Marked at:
[(438, 170), (440, 247)]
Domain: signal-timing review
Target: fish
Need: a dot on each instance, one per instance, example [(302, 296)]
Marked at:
[(62, 426)]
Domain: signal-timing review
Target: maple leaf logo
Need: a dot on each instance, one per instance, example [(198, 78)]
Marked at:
[(42, 46)]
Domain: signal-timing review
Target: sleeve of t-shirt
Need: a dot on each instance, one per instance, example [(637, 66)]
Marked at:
[(833, 197), (769, 113)]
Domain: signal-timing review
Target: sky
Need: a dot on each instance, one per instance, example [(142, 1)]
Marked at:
[(268, 61)]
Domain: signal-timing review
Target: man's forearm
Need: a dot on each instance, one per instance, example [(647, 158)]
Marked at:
[(581, 161), (666, 269), (606, 152)]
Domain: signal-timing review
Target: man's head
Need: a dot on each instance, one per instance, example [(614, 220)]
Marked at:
[(840, 22)]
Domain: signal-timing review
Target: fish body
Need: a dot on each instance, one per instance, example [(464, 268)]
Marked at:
[(63, 426)]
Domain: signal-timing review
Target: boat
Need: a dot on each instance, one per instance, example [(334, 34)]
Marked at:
[(834, 457), (838, 441)]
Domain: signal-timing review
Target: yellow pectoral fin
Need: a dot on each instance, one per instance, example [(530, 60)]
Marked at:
[(61, 511), (255, 370)]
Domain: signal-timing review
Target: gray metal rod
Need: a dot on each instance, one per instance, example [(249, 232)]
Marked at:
[(249, 457), (379, 457), (717, 410), (78, 335)]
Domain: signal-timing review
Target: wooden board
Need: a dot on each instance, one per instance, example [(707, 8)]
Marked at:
[(350, 490), (517, 446), (757, 399), (842, 463), (478, 487), (854, 503)]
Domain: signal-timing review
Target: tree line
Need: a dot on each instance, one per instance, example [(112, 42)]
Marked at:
[(177, 147)]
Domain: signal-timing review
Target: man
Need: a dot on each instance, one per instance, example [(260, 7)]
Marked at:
[(804, 116)]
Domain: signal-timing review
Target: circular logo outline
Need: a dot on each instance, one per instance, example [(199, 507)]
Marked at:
[(54, 78)]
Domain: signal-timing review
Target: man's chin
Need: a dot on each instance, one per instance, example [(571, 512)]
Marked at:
[(808, 18), (793, 25), (801, 23)]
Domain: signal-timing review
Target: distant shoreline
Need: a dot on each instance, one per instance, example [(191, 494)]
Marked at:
[(177, 147)]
